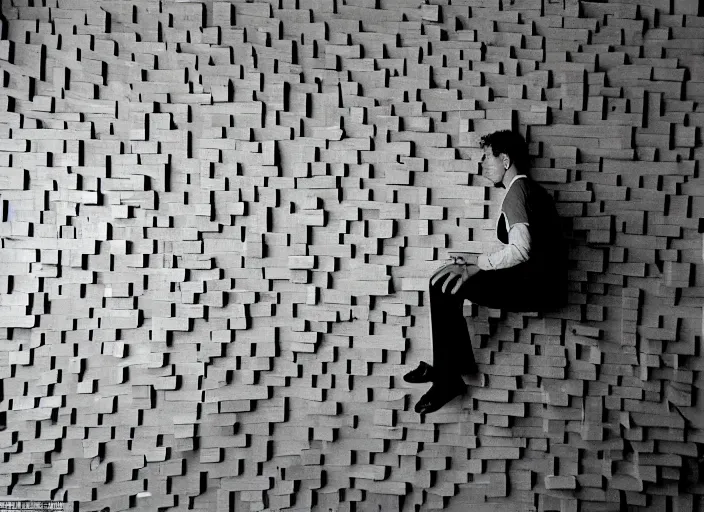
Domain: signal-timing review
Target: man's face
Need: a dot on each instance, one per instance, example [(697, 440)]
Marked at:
[(492, 166)]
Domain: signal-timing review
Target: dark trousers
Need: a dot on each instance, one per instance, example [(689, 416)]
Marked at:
[(518, 288)]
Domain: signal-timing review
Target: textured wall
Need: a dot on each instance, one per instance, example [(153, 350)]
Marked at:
[(219, 220)]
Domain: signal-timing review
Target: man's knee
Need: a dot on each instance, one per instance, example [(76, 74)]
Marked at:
[(434, 286), (438, 294)]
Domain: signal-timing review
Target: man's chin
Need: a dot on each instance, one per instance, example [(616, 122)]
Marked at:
[(493, 183)]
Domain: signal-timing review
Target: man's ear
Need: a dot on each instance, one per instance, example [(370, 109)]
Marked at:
[(506, 160)]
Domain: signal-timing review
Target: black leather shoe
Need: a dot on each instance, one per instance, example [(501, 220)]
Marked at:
[(424, 373), (440, 394)]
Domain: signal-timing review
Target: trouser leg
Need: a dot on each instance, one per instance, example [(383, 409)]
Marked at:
[(452, 347), (511, 289)]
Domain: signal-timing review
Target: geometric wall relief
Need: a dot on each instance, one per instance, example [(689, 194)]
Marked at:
[(218, 224)]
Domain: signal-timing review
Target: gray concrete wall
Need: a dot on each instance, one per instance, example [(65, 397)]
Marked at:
[(219, 221)]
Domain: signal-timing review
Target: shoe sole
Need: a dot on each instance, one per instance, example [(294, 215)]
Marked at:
[(462, 393)]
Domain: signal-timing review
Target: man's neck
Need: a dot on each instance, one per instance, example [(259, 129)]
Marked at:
[(510, 173)]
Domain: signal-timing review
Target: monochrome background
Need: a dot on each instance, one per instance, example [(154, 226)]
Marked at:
[(219, 220)]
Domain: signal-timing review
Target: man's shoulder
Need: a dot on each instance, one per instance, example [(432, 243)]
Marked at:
[(520, 188), (528, 194), (530, 188)]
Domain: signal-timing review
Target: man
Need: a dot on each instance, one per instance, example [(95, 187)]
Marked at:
[(527, 274)]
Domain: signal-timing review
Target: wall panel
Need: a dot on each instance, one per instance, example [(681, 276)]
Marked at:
[(219, 221)]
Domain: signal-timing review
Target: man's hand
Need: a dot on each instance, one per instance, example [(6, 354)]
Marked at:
[(456, 272), (484, 263), (463, 257)]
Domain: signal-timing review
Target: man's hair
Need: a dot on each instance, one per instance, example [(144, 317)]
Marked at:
[(511, 144)]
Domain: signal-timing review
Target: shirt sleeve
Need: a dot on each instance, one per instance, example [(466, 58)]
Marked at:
[(516, 251)]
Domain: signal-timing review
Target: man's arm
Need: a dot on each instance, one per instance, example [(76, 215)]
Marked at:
[(516, 251)]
